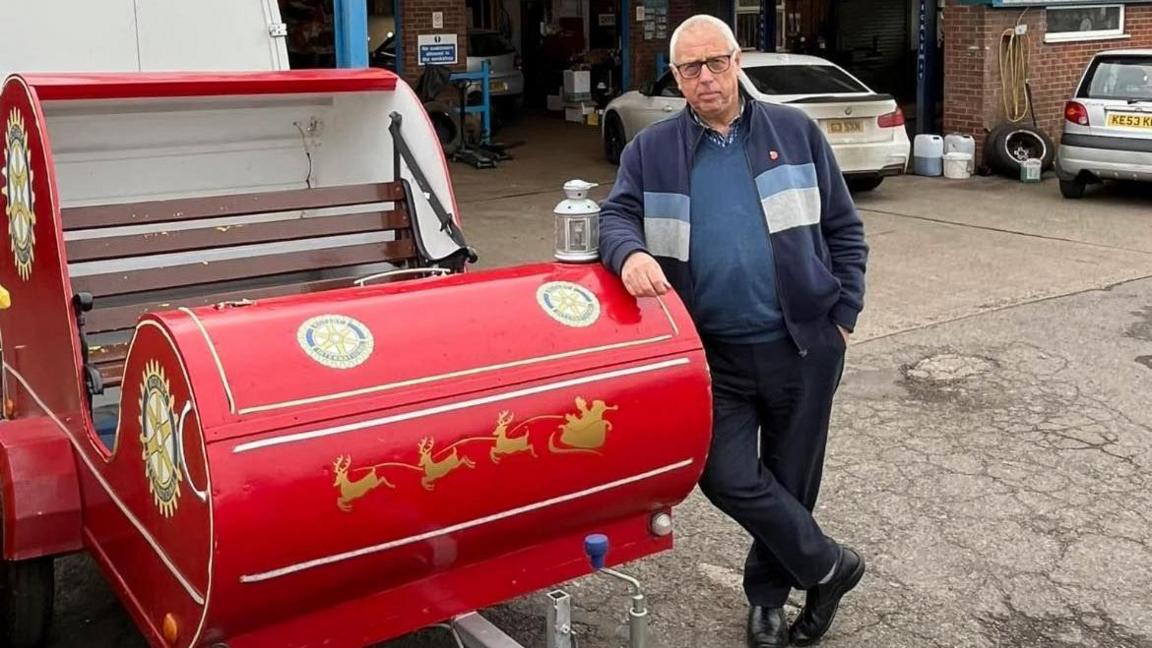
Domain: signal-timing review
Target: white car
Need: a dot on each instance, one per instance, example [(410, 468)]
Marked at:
[(1108, 124), (866, 130)]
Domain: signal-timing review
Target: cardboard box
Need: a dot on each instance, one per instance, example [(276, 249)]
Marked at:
[(577, 85), (578, 112)]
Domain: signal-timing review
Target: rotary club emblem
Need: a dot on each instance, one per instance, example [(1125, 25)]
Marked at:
[(336, 341), (18, 197), (568, 303), (158, 438)]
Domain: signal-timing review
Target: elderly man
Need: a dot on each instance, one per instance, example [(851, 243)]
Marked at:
[(739, 207)]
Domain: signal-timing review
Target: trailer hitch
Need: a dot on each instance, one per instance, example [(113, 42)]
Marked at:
[(596, 546)]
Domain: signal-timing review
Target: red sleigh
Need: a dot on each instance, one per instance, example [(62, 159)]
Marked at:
[(245, 369)]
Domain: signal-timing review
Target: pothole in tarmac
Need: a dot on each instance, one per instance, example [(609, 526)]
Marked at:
[(949, 368), (948, 376)]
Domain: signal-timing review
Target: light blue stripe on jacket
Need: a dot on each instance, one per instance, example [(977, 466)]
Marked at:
[(667, 205), (785, 177)]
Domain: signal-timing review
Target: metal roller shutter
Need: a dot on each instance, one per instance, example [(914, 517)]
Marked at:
[(874, 36)]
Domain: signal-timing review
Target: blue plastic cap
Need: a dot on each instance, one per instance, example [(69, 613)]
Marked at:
[(596, 546)]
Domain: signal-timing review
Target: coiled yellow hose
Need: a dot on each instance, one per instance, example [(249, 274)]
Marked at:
[(1015, 50)]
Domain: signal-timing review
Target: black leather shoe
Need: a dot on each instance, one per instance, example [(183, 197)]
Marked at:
[(767, 628), (823, 600)]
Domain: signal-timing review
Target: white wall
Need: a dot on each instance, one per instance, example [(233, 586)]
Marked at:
[(137, 150), (133, 35)]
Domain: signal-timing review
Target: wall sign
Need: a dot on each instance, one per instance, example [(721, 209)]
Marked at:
[(656, 19), (436, 49)]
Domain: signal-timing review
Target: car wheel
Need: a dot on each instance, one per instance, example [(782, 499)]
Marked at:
[(1073, 189), (446, 122), (864, 184), (27, 588), (1009, 145), (613, 138)]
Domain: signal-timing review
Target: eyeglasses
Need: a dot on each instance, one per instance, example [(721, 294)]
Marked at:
[(716, 65)]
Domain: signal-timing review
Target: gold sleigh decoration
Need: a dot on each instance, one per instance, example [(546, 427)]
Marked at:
[(584, 431)]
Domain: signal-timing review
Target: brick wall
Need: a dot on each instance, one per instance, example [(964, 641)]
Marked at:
[(644, 52), (973, 94), (416, 19)]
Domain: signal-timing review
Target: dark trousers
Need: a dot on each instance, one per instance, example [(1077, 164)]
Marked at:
[(771, 408)]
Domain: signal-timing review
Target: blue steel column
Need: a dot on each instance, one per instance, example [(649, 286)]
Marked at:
[(351, 33), (927, 55), (768, 25), (399, 37), (625, 45)]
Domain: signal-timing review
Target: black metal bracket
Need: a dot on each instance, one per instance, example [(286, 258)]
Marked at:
[(82, 302), (401, 151)]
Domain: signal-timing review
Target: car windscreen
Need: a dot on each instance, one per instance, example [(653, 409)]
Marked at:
[(1127, 78), (802, 79), (488, 44)]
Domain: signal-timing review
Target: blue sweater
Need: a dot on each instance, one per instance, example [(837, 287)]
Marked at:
[(730, 258), (815, 232)]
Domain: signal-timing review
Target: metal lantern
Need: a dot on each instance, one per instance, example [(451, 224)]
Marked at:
[(577, 224)]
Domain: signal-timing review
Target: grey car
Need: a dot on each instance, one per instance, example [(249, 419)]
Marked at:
[(1108, 124)]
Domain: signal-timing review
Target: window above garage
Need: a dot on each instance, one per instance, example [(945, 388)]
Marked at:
[(1084, 23)]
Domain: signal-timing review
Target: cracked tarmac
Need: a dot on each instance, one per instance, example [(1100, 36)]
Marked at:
[(990, 452)]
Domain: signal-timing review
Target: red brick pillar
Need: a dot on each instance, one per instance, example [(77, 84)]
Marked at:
[(416, 18), (644, 52)]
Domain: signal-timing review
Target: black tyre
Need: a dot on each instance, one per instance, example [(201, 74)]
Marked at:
[(613, 138), (26, 602), (864, 184), (1009, 145), (446, 122), (1073, 189)]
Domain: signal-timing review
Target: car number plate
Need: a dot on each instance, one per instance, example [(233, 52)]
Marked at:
[(844, 126), (1130, 120), (497, 86)]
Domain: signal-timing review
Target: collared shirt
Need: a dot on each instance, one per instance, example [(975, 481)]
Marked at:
[(716, 138)]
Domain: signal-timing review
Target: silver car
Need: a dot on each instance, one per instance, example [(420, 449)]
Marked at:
[(505, 80), (1108, 124)]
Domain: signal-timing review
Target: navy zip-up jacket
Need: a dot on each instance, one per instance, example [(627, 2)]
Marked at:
[(816, 234)]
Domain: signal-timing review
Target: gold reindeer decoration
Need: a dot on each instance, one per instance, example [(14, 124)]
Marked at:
[(437, 470), (354, 489), (506, 445), (583, 431)]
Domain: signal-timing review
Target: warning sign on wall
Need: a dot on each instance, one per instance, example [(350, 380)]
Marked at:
[(436, 48)]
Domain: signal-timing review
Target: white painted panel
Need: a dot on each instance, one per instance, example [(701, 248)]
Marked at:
[(129, 151), (135, 150), (207, 35), (67, 36)]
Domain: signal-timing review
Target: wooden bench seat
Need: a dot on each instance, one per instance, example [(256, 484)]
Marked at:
[(132, 258)]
